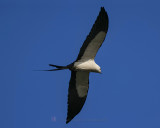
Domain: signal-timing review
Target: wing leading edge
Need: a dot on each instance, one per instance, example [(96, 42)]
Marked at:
[(95, 38), (77, 93)]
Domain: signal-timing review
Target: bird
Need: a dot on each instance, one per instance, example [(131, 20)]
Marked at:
[(83, 65)]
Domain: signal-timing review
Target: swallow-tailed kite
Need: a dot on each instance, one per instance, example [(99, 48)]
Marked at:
[(84, 64)]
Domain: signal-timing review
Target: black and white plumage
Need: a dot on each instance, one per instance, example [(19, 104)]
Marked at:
[(84, 64)]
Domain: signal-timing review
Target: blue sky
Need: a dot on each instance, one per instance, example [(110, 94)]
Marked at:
[(35, 33)]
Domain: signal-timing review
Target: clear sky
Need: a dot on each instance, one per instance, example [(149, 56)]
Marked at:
[(35, 33)]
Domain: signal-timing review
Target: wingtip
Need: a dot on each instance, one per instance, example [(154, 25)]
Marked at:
[(68, 120), (102, 8)]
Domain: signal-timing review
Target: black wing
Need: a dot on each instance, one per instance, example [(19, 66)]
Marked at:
[(95, 38), (77, 93)]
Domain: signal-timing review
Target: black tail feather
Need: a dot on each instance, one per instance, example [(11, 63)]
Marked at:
[(57, 68), (49, 70), (61, 67)]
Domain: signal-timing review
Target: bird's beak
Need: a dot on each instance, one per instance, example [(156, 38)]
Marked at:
[(100, 72)]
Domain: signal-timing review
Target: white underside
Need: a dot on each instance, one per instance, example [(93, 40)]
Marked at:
[(83, 69), (82, 85), (87, 65)]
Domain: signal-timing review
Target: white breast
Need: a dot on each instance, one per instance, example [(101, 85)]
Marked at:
[(87, 65)]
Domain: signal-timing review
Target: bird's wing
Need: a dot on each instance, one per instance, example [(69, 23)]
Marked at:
[(77, 93), (95, 38)]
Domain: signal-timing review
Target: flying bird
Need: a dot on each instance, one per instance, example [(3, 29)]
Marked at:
[(83, 65)]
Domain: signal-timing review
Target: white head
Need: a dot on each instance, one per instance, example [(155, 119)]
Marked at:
[(97, 69)]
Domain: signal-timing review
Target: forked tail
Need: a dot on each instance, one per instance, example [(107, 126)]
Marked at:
[(57, 68)]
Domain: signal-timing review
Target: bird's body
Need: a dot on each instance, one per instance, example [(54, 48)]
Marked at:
[(84, 64), (87, 65)]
